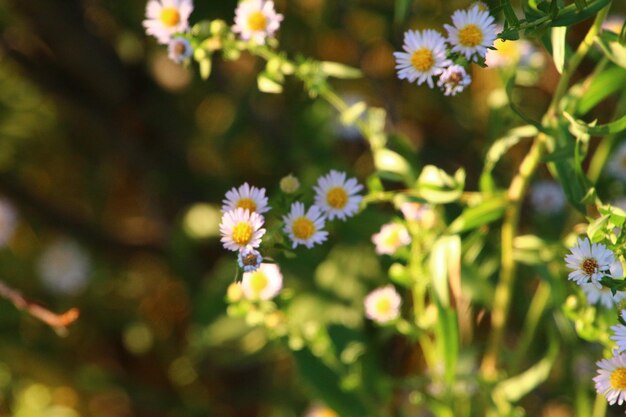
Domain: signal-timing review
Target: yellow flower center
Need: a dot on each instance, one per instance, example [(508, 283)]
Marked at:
[(392, 238), (383, 306), (470, 35), (169, 16), (618, 379), (507, 49), (303, 228), (258, 282), (337, 197), (422, 59), (242, 233), (247, 204), (257, 21), (326, 412), (589, 266)]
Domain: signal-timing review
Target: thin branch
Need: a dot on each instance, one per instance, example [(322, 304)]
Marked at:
[(58, 322)]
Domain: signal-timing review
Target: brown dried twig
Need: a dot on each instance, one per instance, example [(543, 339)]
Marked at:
[(58, 322)]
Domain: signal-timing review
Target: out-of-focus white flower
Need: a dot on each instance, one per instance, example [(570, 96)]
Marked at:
[(263, 284), (418, 212), (520, 53), (64, 267), (392, 236), (604, 295), (179, 49), (256, 20), (424, 56), (305, 228), (165, 18), (8, 221), (473, 32), (617, 164), (383, 304), (453, 80), (249, 259), (614, 24), (619, 334), (246, 197), (317, 410), (336, 196), (241, 229), (289, 184), (611, 379), (547, 197), (590, 262)]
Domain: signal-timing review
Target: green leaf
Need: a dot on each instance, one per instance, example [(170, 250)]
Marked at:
[(558, 47), (571, 15), (268, 85), (509, 13), (401, 11), (582, 128), (510, 86), (487, 211), (392, 165), (580, 4), (612, 48), (596, 228), (337, 70), (436, 186), (350, 115), (606, 83)]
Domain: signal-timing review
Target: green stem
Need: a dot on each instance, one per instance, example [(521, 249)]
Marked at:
[(599, 406), (516, 193)]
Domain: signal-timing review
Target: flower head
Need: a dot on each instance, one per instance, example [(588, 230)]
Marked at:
[(424, 56), (619, 334), (613, 23), (241, 229), (256, 20), (179, 49), (305, 228), (473, 32), (64, 267), (318, 410), (611, 379), (617, 163), (590, 262), (453, 80), (521, 53), (8, 221), (604, 295), (336, 196), (383, 304), (246, 197), (263, 284), (165, 18), (547, 197), (249, 259), (289, 184), (391, 237)]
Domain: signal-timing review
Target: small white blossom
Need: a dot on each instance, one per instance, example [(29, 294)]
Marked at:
[(336, 196), (547, 197), (590, 262), (249, 259), (392, 236), (611, 379), (179, 50), (64, 267), (424, 57), (383, 304), (617, 163), (604, 295), (305, 228), (263, 284), (246, 197), (165, 18), (241, 229), (453, 80), (473, 32), (619, 334), (256, 20)]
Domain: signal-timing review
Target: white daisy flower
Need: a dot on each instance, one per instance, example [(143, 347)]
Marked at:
[(263, 284), (590, 262), (392, 236), (611, 379), (617, 164), (8, 221), (249, 259), (289, 184), (336, 196), (424, 58), (619, 334), (473, 32), (604, 295), (383, 304), (453, 80), (305, 228), (547, 197), (241, 229), (256, 20), (165, 18), (246, 197), (64, 267), (179, 50), (521, 53)]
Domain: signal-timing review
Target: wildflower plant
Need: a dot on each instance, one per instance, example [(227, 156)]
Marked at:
[(443, 281)]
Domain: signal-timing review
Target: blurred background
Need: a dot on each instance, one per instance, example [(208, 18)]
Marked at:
[(113, 164)]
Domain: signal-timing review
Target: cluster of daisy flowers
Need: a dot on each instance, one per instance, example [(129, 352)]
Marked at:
[(590, 264), (168, 22), (242, 225), (427, 53)]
